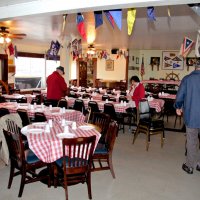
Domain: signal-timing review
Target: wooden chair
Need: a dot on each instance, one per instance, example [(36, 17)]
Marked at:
[(93, 108), (147, 124), (25, 165), (101, 120), (22, 100), (4, 111), (110, 110), (13, 128), (24, 117), (104, 97), (40, 117), (63, 103), (75, 166), (79, 106), (103, 153)]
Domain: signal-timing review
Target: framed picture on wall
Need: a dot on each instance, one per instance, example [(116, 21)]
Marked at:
[(109, 65), (137, 60), (191, 61), (172, 60)]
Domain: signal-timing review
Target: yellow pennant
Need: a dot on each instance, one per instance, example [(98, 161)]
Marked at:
[(131, 15)]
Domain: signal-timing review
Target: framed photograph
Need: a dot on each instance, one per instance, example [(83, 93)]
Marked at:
[(191, 61), (109, 65), (155, 61), (137, 60), (172, 60)]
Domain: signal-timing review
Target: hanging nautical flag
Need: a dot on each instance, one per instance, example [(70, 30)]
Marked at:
[(109, 17), (151, 13), (131, 15), (11, 49), (98, 18), (197, 46), (81, 26), (54, 49), (142, 72), (117, 16), (186, 46), (16, 52)]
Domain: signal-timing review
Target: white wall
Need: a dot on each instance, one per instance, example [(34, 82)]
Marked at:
[(119, 68), (148, 69)]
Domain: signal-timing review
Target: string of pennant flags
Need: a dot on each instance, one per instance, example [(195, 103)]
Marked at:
[(115, 18)]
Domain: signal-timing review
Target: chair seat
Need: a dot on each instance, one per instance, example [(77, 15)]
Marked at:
[(153, 124), (59, 162), (31, 158), (101, 149)]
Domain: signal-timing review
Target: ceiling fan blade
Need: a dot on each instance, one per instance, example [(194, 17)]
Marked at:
[(16, 35)]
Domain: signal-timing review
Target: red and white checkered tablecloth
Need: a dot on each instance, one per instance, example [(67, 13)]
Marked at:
[(168, 96), (55, 114), (157, 104), (118, 106), (48, 147), (19, 96)]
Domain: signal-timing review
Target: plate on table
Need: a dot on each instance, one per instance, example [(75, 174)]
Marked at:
[(68, 122), (69, 110), (86, 127), (39, 124), (23, 104), (24, 130), (65, 135), (35, 130)]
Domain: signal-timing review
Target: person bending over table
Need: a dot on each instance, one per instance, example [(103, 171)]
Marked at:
[(137, 91), (56, 86)]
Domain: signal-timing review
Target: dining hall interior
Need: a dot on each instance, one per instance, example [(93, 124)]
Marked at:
[(99, 47)]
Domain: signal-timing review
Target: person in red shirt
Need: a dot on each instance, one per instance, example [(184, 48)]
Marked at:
[(137, 91), (56, 85)]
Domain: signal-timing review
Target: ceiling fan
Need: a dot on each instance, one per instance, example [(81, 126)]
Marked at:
[(5, 35)]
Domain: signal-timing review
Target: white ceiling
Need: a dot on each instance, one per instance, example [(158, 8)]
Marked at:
[(165, 33)]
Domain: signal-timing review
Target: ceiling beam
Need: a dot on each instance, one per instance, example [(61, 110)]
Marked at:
[(19, 8)]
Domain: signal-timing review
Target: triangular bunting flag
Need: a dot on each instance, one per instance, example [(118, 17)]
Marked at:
[(197, 46), (110, 18), (186, 46), (167, 65), (131, 15), (176, 59), (81, 26), (117, 16), (151, 13), (166, 58), (98, 18)]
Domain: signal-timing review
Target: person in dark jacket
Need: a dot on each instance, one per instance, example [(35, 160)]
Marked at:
[(188, 103), (56, 85)]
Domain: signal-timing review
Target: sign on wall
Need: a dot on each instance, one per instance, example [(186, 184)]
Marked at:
[(172, 60)]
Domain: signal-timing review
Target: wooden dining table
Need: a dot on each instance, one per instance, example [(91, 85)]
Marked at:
[(47, 146)]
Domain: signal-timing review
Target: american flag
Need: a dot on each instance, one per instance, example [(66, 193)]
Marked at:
[(142, 72)]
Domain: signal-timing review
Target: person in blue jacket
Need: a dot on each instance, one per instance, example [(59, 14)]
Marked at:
[(188, 103)]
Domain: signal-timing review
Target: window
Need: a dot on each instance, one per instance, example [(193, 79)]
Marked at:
[(31, 72)]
